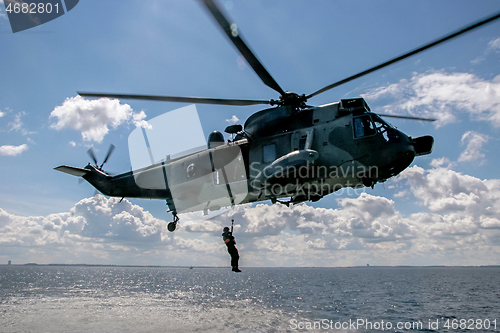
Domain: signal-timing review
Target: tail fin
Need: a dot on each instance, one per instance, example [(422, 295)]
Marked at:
[(97, 178)]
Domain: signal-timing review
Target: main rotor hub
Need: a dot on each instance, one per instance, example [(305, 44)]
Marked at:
[(292, 99)]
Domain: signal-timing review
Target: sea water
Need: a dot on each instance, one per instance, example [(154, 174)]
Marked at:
[(163, 299)]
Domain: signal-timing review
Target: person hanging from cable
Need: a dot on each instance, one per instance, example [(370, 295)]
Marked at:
[(228, 238)]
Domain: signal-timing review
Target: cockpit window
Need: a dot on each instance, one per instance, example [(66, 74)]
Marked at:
[(363, 126), (380, 124), (371, 124), (387, 131)]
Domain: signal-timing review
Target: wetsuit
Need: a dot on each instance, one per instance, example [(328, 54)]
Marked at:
[(231, 248)]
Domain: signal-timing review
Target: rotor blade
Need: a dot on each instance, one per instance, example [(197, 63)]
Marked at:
[(409, 54), (92, 155), (196, 100), (233, 34), (406, 117), (111, 148)]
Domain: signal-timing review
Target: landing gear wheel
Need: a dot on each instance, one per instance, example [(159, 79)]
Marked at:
[(171, 226)]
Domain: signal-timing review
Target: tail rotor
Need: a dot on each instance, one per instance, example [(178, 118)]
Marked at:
[(94, 158), (110, 150), (92, 155)]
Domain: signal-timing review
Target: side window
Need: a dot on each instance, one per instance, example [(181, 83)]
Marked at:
[(363, 126), (269, 153)]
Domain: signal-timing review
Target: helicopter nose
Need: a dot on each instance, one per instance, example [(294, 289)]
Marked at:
[(401, 161), (404, 160), (403, 155)]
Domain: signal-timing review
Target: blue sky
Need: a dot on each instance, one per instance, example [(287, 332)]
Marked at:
[(442, 210)]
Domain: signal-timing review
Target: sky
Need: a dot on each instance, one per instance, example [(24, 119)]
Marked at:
[(443, 210)]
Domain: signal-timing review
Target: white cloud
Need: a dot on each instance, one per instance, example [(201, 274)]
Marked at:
[(463, 217), (473, 150), (459, 204), (12, 150), (441, 162), (3, 113), (400, 194), (138, 120), (444, 190), (233, 120), (111, 219), (92, 117), (441, 95), (494, 45), (17, 125)]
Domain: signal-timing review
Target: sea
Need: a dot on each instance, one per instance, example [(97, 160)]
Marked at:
[(182, 299)]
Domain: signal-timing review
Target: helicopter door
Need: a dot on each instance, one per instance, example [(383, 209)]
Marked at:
[(228, 177)]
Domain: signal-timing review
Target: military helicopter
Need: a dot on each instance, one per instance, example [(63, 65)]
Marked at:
[(289, 153)]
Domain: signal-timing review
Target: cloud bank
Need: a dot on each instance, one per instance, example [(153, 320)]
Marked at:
[(459, 224)]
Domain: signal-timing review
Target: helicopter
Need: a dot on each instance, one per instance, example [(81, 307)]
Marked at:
[(289, 153)]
